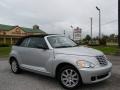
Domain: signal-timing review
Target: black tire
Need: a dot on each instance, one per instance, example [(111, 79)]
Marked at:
[(14, 62), (59, 77)]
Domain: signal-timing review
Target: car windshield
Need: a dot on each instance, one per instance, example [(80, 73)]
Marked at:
[(61, 42)]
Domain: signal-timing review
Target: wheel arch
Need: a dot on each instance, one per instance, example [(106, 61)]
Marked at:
[(11, 59), (59, 66)]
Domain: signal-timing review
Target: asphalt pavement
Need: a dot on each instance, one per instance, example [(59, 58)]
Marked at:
[(31, 81)]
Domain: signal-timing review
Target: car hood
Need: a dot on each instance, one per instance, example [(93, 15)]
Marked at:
[(83, 51)]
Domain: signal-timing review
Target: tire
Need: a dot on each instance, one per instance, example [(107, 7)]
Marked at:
[(15, 66), (69, 77)]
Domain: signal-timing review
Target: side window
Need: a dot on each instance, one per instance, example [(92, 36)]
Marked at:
[(36, 42), (24, 42)]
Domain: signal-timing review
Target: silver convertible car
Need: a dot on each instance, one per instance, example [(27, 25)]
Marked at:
[(59, 57)]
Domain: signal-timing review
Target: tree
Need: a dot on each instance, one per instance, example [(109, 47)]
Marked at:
[(87, 38), (103, 40), (105, 37), (112, 36)]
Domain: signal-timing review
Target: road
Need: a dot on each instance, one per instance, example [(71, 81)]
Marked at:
[(31, 81)]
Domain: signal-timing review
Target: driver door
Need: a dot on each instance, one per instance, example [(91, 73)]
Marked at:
[(36, 57)]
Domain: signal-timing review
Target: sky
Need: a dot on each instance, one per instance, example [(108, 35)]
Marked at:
[(55, 16)]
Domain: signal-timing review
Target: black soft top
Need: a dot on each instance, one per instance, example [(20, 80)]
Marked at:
[(39, 35)]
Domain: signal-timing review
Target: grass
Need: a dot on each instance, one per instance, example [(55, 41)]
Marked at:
[(4, 51), (111, 50)]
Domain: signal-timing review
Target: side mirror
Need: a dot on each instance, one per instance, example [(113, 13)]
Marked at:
[(42, 47)]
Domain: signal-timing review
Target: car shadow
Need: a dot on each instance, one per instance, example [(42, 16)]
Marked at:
[(52, 81)]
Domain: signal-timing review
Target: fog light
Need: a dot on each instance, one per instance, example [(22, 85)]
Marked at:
[(93, 78)]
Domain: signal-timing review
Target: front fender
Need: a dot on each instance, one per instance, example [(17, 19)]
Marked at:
[(61, 58)]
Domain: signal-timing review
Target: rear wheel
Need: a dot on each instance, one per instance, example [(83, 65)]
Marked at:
[(69, 77), (15, 67)]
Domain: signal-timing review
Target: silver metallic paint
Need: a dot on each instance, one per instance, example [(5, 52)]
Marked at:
[(46, 61)]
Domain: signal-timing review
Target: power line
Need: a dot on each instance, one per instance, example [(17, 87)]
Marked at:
[(113, 21)]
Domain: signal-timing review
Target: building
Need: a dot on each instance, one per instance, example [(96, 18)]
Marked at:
[(10, 34)]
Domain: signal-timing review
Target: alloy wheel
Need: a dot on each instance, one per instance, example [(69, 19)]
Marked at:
[(69, 78), (14, 66)]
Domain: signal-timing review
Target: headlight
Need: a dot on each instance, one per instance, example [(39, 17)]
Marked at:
[(85, 64)]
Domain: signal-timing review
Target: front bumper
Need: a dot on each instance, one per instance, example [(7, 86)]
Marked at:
[(94, 75)]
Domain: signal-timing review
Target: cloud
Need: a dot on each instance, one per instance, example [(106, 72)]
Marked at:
[(55, 16), (2, 4)]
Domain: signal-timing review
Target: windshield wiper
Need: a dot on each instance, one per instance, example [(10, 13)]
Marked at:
[(76, 45), (62, 46)]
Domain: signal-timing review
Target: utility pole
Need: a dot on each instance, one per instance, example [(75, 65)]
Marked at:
[(73, 31), (99, 22), (119, 23), (64, 32), (91, 20)]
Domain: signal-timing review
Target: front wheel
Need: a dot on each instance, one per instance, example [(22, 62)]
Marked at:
[(15, 67), (69, 77)]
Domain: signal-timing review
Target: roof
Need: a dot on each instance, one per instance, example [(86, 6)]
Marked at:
[(6, 27), (40, 35), (29, 30), (32, 30)]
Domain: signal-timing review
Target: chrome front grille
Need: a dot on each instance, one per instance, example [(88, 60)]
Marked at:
[(102, 60)]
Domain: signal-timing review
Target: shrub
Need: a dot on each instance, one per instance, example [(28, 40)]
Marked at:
[(4, 45), (103, 42)]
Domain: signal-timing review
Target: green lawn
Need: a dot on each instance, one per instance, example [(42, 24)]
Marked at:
[(107, 49), (4, 51)]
